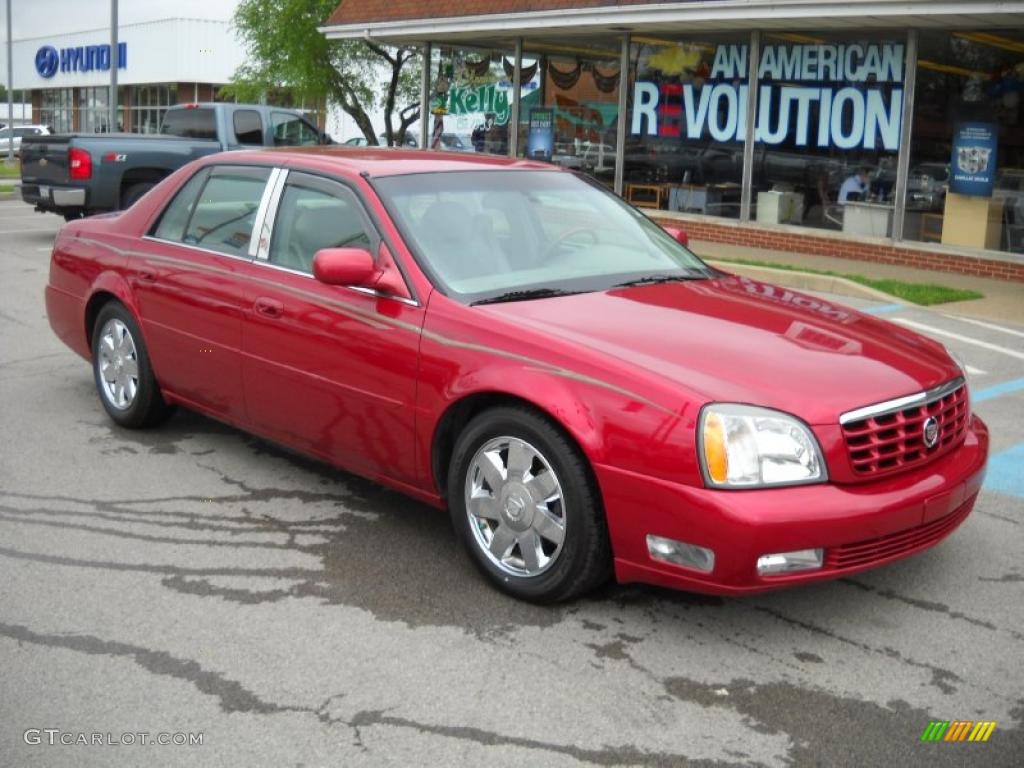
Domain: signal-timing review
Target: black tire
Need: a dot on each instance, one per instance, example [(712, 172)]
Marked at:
[(134, 192), (148, 407), (71, 215), (584, 561)]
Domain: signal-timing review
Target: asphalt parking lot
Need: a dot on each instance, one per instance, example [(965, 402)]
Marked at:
[(196, 580)]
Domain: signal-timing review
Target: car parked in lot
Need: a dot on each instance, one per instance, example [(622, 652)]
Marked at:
[(78, 174), (511, 341), (17, 134)]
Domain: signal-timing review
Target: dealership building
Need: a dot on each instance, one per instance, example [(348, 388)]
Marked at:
[(886, 130), (170, 52)]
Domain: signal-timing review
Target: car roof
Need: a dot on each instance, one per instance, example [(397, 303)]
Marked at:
[(380, 161)]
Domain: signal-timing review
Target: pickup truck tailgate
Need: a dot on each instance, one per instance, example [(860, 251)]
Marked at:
[(44, 159)]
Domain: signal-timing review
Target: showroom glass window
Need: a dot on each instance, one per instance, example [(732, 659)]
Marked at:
[(570, 104), (828, 130), (93, 110), (56, 110), (966, 182), (686, 124), (148, 105), (471, 99)]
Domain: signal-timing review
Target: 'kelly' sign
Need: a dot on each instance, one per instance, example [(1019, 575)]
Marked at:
[(857, 91)]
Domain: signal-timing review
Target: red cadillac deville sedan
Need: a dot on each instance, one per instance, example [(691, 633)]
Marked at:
[(512, 342)]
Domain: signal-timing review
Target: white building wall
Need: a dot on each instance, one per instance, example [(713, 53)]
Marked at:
[(184, 40)]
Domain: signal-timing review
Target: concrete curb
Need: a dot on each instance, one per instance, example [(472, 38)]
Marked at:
[(805, 281)]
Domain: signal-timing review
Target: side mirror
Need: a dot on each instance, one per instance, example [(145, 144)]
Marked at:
[(679, 235), (343, 266)]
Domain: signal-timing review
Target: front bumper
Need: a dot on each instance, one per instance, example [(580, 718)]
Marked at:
[(859, 526)]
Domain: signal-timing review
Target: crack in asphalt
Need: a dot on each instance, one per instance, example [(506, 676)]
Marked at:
[(924, 605), (942, 679), (818, 724), (233, 697), (617, 755)]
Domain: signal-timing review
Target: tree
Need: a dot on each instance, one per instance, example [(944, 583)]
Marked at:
[(287, 54)]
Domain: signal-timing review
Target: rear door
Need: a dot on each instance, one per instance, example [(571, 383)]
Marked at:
[(186, 277), (329, 369)]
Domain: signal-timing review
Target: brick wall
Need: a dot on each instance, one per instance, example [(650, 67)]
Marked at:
[(904, 254), (355, 11)]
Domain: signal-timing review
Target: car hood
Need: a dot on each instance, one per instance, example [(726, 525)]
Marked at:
[(733, 339)]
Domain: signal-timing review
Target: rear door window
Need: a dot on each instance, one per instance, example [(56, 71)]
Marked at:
[(293, 131), (171, 225), (248, 127), (192, 123), (216, 210)]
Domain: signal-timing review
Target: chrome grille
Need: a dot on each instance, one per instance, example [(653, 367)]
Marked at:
[(888, 437)]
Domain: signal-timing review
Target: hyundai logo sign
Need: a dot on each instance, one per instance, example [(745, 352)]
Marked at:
[(83, 58), (47, 61)]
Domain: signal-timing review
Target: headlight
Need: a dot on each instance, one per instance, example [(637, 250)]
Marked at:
[(741, 446)]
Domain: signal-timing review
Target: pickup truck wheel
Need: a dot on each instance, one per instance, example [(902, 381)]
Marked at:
[(124, 379), (134, 192), (525, 504)]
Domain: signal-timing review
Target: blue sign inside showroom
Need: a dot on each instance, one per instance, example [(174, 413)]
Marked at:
[(973, 165), (83, 58)]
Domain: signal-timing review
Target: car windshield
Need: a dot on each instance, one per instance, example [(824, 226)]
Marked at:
[(515, 235)]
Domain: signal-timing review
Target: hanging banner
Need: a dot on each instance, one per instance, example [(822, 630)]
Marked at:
[(816, 95), (973, 165), (541, 140)]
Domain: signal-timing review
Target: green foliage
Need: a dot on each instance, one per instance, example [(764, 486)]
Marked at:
[(286, 51), (925, 294)]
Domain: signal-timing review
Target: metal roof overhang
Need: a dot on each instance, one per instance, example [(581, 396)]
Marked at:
[(712, 15)]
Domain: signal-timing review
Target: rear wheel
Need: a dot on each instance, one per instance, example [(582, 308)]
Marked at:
[(124, 378), (134, 192), (524, 502)]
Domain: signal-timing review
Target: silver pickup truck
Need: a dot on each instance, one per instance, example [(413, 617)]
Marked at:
[(78, 174)]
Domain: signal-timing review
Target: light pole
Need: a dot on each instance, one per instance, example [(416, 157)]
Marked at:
[(114, 64), (10, 89)]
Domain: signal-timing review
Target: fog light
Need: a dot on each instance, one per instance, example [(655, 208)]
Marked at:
[(787, 562), (681, 553)]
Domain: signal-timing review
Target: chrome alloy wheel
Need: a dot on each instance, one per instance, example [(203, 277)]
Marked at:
[(118, 364), (515, 506)]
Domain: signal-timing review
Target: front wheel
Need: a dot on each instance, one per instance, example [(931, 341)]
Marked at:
[(124, 379), (524, 502)]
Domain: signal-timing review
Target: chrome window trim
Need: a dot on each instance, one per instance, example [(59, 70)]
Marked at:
[(261, 212), (356, 288), (266, 225), (243, 257), (900, 403)]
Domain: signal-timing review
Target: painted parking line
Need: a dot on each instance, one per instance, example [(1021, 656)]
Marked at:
[(1006, 472), (997, 390), (932, 330), (883, 309), (983, 324)]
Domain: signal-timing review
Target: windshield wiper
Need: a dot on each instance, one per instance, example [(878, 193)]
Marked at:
[(656, 279), (524, 295)]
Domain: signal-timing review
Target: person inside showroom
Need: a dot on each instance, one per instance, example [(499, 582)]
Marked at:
[(855, 187)]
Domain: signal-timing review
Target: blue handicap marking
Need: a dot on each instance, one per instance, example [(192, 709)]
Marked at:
[(1006, 472), (882, 309), (998, 390)]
